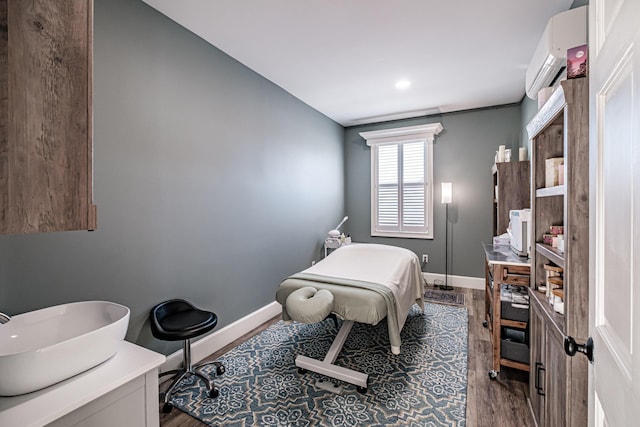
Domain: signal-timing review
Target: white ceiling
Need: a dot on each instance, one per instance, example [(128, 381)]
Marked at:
[(343, 57)]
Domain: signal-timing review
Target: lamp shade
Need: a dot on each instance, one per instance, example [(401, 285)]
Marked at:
[(447, 192)]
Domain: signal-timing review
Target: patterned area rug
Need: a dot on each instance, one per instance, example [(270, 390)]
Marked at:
[(425, 385), (444, 297)]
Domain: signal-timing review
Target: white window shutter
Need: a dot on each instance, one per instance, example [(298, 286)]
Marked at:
[(401, 181), (413, 184), (387, 188)]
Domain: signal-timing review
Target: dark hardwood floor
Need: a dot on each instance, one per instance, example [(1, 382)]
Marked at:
[(491, 403), (499, 402)]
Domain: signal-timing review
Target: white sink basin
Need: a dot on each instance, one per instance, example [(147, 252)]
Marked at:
[(43, 347)]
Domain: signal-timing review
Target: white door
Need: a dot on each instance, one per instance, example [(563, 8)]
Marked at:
[(614, 288)]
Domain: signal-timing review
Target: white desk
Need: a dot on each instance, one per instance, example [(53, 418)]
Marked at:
[(502, 254), (123, 391)]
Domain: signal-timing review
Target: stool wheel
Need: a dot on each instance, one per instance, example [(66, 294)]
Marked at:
[(214, 393), (167, 407), (220, 369)]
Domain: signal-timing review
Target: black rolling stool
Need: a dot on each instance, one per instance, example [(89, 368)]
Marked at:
[(177, 320)]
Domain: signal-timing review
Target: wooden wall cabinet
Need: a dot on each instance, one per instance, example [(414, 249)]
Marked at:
[(46, 170), (560, 129), (511, 183)]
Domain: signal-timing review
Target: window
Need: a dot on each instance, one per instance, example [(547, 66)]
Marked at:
[(402, 181)]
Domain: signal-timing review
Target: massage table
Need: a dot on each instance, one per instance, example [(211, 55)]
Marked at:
[(363, 283)]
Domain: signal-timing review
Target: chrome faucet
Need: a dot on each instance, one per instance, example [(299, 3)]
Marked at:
[(4, 318)]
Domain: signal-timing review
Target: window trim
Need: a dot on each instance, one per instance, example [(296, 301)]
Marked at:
[(424, 133)]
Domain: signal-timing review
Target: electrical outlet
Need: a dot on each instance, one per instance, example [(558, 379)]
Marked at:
[(425, 258)]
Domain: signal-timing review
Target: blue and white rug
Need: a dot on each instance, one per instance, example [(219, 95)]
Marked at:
[(425, 385)]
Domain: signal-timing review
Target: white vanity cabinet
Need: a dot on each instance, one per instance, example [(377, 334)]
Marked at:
[(123, 391)]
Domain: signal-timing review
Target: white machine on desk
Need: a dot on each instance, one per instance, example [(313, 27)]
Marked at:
[(520, 231)]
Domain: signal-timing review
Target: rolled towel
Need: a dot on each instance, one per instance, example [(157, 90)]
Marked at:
[(309, 305)]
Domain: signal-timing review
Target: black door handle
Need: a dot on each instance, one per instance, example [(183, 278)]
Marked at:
[(538, 387), (571, 347)]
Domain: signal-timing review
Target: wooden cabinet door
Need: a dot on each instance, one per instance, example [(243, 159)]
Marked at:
[(46, 174), (556, 377), (537, 381)]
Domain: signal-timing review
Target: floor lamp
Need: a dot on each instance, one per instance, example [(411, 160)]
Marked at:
[(447, 197)]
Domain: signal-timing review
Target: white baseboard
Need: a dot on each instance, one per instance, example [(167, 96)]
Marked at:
[(457, 281), (211, 343)]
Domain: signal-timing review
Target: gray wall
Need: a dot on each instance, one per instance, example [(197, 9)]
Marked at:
[(463, 154), (529, 108), (212, 183)]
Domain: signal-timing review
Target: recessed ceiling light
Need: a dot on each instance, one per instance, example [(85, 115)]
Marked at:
[(403, 84)]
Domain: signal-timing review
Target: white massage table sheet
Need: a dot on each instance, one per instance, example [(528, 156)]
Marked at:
[(368, 281)]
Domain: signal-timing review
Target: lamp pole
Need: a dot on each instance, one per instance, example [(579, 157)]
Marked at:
[(446, 286), (447, 197)]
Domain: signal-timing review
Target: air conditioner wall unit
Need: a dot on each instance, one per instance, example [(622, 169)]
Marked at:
[(563, 31)]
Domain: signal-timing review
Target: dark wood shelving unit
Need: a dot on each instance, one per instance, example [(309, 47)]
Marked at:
[(558, 383)]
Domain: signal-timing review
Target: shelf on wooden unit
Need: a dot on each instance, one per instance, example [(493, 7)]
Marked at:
[(513, 323), (513, 364), (557, 319), (558, 190), (551, 253)]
